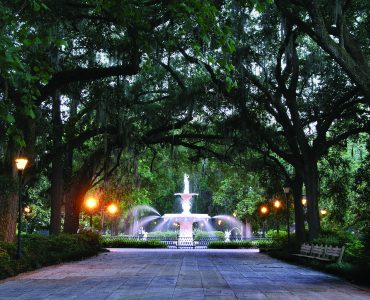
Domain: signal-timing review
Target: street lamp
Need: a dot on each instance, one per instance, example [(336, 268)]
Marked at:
[(27, 214), (264, 210), (91, 203), (304, 200), (112, 210), (323, 212), (277, 204), (21, 163), (287, 189)]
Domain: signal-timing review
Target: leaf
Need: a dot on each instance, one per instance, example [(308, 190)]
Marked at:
[(260, 7), (9, 118), (36, 6), (27, 42)]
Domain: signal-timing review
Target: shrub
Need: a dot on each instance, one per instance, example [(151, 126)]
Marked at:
[(354, 251), (163, 235), (133, 243), (232, 245), (6, 268), (199, 234), (38, 251)]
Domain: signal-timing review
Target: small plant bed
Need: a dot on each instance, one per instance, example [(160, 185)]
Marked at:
[(39, 251), (132, 243)]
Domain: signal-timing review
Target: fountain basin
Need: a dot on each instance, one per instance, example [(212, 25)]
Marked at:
[(190, 217), (186, 221)]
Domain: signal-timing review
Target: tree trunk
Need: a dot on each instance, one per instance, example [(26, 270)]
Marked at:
[(57, 169), (8, 214), (297, 183), (311, 180), (79, 186), (8, 196), (73, 207)]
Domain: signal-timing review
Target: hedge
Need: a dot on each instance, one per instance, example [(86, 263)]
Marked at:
[(132, 243), (39, 251)]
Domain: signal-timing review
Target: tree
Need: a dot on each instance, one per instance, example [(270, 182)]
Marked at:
[(339, 28)]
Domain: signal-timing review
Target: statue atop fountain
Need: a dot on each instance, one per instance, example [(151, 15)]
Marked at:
[(186, 196)]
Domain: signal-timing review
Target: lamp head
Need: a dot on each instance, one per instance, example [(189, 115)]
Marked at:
[(263, 210), (323, 212), (21, 163), (304, 200), (91, 203), (112, 209), (277, 203)]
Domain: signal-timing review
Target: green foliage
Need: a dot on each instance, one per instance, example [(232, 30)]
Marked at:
[(355, 249), (162, 235), (232, 245), (38, 251), (200, 234), (46, 250), (263, 245), (132, 243), (8, 266)]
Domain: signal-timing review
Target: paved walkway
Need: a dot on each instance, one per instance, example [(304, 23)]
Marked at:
[(183, 274)]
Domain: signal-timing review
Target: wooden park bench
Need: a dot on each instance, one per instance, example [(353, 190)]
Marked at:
[(321, 252)]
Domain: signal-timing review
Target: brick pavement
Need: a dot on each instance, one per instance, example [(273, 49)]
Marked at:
[(182, 274)]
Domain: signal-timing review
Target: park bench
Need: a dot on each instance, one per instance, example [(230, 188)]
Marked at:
[(321, 252)]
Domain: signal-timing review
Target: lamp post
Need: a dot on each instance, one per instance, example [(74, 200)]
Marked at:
[(112, 210), (277, 204), (264, 210), (287, 189), (27, 213), (21, 163), (91, 204)]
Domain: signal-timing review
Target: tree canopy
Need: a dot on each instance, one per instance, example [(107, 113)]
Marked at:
[(120, 98)]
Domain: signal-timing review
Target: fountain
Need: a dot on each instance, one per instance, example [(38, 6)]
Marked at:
[(186, 218), (181, 221)]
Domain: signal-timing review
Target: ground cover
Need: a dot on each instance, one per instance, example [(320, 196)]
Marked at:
[(38, 251)]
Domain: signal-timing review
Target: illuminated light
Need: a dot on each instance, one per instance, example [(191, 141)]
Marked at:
[(304, 200), (27, 209), (234, 214), (21, 163), (91, 203), (277, 203), (112, 208), (219, 222), (323, 212), (201, 224), (264, 210)]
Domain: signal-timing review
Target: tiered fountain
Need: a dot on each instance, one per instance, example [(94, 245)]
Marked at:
[(186, 218)]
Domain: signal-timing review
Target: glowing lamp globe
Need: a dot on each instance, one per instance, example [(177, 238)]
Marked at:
[(91, 203), (21, 163), (277, 204), (112, 209)]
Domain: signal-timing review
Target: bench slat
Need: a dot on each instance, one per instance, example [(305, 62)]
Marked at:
[(321, 252)]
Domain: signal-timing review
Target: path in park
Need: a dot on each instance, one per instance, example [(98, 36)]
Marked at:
[(181, 274)]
